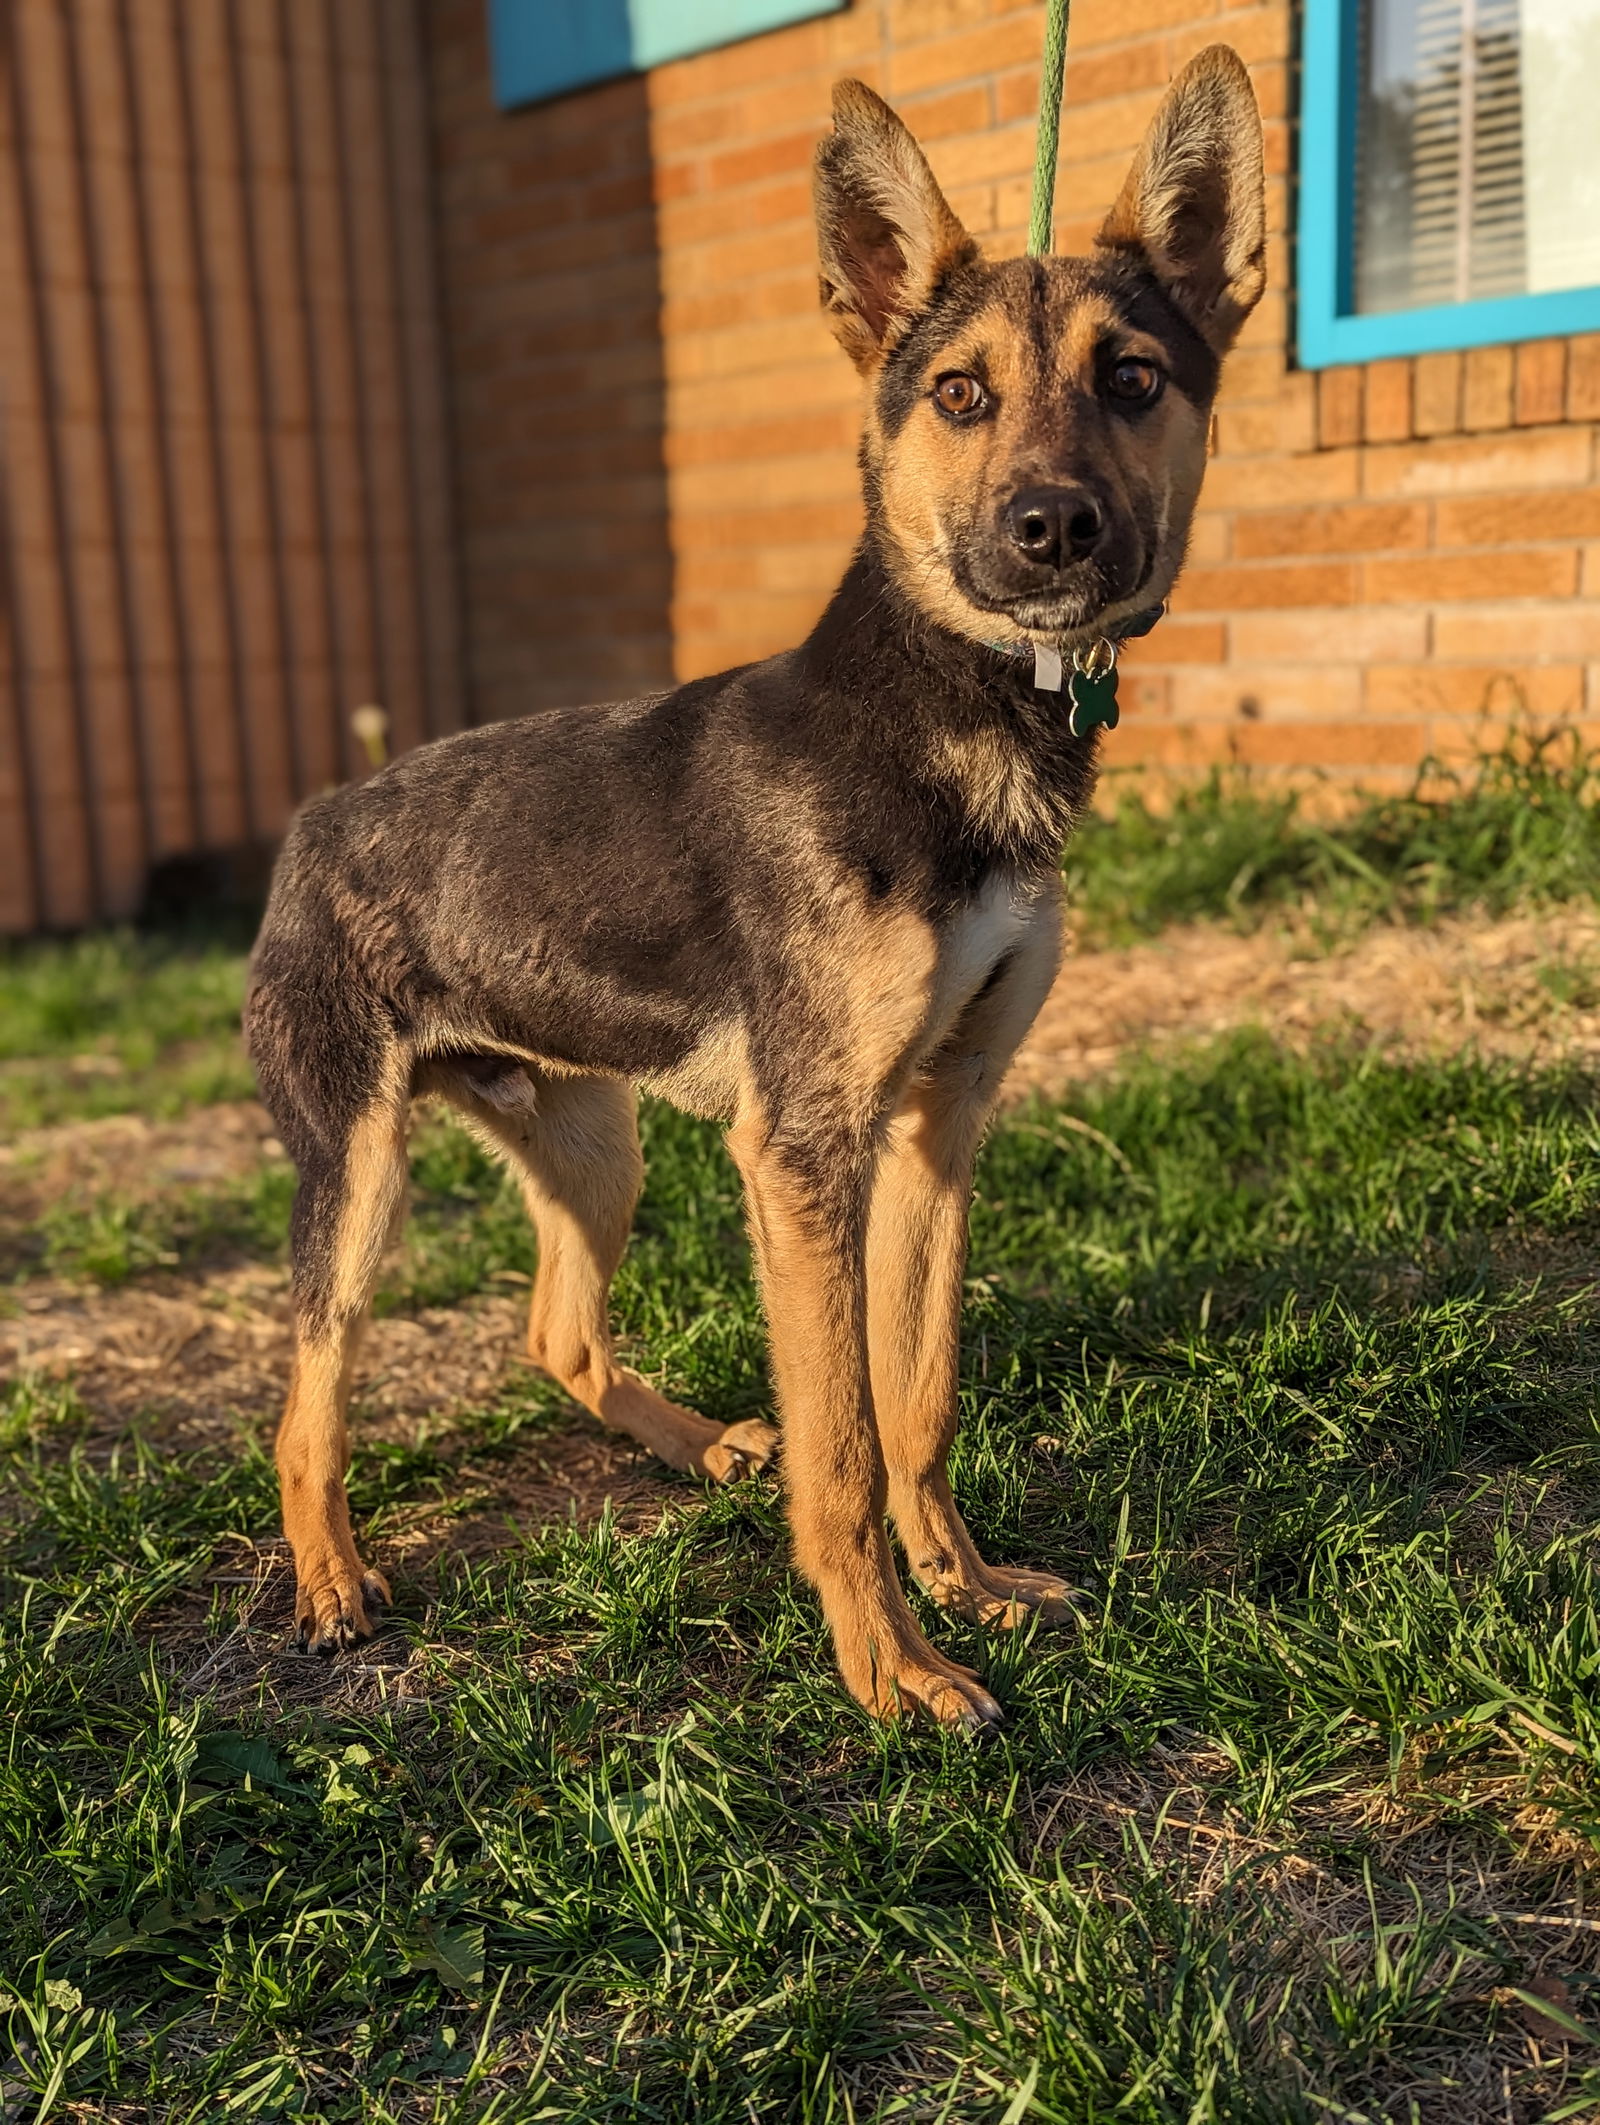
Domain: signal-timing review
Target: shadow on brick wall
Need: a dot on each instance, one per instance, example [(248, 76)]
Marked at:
[(552, 301)]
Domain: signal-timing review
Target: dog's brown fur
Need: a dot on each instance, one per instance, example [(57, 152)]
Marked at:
[(816, 897)]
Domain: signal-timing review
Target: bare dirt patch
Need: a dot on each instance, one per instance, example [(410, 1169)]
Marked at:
[(1524, 988), (130, 1157), (204, 1360)]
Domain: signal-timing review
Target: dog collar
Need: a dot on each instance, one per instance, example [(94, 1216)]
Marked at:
[(1091, 687)]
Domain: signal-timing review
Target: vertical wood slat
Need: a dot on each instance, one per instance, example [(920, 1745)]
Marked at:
[(430, 516), (51, 703), (224, 492)]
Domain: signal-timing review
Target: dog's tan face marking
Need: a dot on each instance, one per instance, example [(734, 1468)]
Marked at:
[(1036, 430), (1045, 357)]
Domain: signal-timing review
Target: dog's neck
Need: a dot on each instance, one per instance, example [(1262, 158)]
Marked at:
[(958, 713)]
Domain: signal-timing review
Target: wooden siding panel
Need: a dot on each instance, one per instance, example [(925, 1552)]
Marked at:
[(224, 499)]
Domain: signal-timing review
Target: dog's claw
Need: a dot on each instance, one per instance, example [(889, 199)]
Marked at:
[(338, 1613), (740, 1451)]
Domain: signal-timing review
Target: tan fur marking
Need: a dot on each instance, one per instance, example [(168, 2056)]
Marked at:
[(709, 1078), (337, 1597), (374, 1197)]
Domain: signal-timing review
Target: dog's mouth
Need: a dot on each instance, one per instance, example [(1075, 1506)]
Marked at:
[(1072, 607)]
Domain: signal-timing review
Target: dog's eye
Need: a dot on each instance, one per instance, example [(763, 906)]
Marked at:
[(1137, 382), (958, 395)]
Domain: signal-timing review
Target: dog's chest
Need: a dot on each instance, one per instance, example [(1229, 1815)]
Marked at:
[(980, 937)]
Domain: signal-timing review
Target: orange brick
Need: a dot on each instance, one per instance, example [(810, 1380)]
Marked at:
[(1388, 410), (1091, 76), (1382, 633), (1285, 422), (909, 21), (942, 61), (1486, 388), (1436, 394), (1533, 457), (964, 110), (1518, 634), (1353, 528), (1256, 34), (765, 158), (971, 158), (1113, 21), (1345, 744), (1541, 381), (1148, 695), (1274, 692), (1265, 586), (1340, 394), (1583, 377), (1180, 641), (1259, 482), (1183, 747), (1518, 519), (1528, 572), (1465, 689)]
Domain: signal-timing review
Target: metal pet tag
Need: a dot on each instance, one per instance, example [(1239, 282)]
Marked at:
[(1046, 668), (1094, 702)]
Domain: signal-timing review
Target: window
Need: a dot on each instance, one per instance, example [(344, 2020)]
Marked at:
[(541, 48), (1449, 175)]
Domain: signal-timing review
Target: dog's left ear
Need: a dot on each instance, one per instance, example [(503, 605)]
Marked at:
[(885, 234), (1194, 202)]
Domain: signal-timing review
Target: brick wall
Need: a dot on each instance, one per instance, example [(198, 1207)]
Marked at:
[(1384, 559), (552, 320)]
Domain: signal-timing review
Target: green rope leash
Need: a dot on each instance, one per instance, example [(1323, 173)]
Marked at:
[(1042, 218)]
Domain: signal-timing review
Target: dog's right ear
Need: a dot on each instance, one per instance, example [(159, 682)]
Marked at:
[(886, 236)]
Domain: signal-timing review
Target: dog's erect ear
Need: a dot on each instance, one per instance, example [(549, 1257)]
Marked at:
[(885, 235), (1194, 202)]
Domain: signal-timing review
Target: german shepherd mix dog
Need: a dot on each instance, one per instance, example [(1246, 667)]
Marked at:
[(816, 897)]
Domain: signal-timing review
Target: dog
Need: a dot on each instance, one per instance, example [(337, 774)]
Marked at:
[(816, 898)]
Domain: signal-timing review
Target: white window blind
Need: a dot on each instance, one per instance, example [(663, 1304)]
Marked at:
[(1477, 151)]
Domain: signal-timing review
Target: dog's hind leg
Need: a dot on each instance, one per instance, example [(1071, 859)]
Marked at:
[(916, 1258), (351, 1196), (574, 1145)]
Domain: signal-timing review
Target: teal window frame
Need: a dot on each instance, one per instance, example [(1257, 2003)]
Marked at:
[(544, 48), (1329, 330)]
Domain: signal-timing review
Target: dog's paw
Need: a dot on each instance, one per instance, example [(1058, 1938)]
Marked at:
[(1003, 1597), (951, 1696), (337, 1608), (740, 1451)]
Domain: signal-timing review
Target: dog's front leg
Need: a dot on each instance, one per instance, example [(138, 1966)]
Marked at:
[(916, 1255), (807, 1205)]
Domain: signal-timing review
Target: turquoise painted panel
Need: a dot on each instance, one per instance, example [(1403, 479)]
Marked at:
[(541, 48), (1329, 331)]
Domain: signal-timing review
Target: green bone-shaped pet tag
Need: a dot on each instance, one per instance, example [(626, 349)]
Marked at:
[(1094, 702)]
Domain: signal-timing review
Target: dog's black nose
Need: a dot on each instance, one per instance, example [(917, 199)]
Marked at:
[(1054, 525)]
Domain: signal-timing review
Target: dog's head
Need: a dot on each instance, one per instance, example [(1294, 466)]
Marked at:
[(1036, 429)]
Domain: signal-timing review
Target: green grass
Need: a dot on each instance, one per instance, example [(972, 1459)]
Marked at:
[(1517, 828), (120, 1021), (1291, 1361)]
